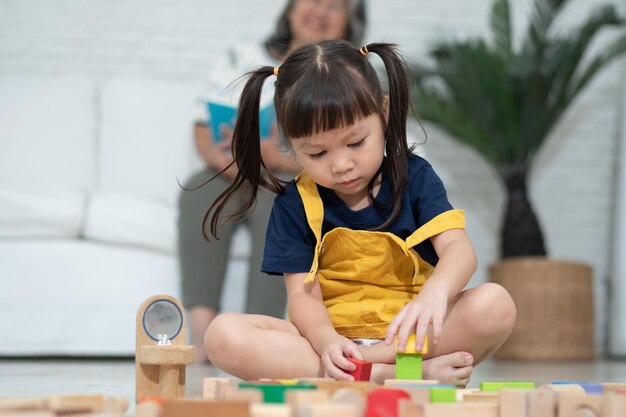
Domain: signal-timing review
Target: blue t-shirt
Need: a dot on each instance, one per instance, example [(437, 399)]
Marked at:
[(290, 243)]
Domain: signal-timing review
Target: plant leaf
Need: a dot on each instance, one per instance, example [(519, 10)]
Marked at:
[(500, 22)]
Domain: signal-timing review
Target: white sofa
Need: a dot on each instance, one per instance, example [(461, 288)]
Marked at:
[(88, 208)]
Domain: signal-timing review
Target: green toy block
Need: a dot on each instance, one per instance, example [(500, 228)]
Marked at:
[(497, 386), (273, 392), (443, 395), (408, 366)]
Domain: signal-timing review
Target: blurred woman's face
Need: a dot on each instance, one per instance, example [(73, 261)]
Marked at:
[(313, 21)]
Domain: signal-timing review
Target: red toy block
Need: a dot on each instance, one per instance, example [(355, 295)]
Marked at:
[(362, 371), (383, 402)]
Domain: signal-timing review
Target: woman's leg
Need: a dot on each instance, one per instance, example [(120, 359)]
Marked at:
[(202, 263), (251, 346), (266, 294), (477, 322)]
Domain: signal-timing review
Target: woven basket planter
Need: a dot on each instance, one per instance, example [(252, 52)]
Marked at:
[(555, 316)]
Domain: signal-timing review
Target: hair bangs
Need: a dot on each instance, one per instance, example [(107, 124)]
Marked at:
[(319, 102)]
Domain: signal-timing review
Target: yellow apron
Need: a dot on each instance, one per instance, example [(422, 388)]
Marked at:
[(367, 277)]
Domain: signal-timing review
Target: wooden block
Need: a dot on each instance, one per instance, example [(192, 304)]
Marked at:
[(327, 410), (148, 409), (461, 392), (619, 387), (23, 403), (212, 387), (408, 408), (408, 382), (297, 397), (481, 397), (362, 371), (513, 402), (350, 396), (442, 394), (181, 407), (571, 388), (576, 405), (408, 366), (166, 354), (542, 403), (250, 395), (410, 345), (459, 410), (498, 385), (613, 405), (63, 404), (115, 404), (418, 395), (270, 410)]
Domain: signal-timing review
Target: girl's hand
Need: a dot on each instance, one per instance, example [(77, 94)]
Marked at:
[(334, 355), (428, 307)]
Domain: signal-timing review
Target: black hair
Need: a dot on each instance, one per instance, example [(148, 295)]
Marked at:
[(280, 40), (319, 88)]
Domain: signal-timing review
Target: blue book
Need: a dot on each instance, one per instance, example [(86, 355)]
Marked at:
[(222, 113)]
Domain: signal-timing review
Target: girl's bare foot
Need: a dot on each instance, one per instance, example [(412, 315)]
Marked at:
[(453, 368)]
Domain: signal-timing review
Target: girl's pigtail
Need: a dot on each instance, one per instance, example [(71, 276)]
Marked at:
[(396, 162), (246, 148)]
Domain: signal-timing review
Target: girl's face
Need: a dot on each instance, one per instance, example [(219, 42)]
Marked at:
[(345, 159), (313, 21)]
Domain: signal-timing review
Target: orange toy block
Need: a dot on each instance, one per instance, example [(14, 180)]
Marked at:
[(363, 369)]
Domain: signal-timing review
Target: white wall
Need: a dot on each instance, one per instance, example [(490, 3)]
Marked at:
[(571, 185)]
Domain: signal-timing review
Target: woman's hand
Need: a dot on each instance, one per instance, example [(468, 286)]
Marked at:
[(217, 156), (273, 157), (429, 307), (337, 349)]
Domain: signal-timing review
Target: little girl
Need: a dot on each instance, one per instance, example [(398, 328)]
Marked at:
[(370, 248)]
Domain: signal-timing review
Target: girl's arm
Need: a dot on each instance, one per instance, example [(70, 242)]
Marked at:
[(457, 263), (309, 315)]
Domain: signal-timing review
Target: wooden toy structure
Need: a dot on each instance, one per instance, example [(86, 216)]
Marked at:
[(160, 351)]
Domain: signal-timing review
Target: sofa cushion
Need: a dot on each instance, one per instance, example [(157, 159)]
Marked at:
[(146, 149), (43, 212), (132, 220), (47, 134)]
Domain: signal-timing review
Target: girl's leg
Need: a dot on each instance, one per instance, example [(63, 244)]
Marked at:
[(251, 346), (477, 322)]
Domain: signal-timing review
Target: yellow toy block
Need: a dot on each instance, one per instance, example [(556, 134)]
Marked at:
[(410, 345)]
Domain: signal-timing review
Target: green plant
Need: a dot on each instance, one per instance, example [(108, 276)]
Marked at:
[(504, 102)]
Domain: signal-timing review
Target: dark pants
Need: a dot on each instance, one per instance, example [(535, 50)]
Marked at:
[(203, 264)]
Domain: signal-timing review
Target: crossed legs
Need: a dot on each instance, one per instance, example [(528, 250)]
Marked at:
[(254, 346)]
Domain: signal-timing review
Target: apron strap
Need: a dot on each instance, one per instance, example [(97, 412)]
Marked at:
[(314, 209), (313, 206), (448, 220)]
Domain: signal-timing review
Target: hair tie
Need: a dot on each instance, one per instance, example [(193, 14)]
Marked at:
[(364, 51), (276, 71)]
